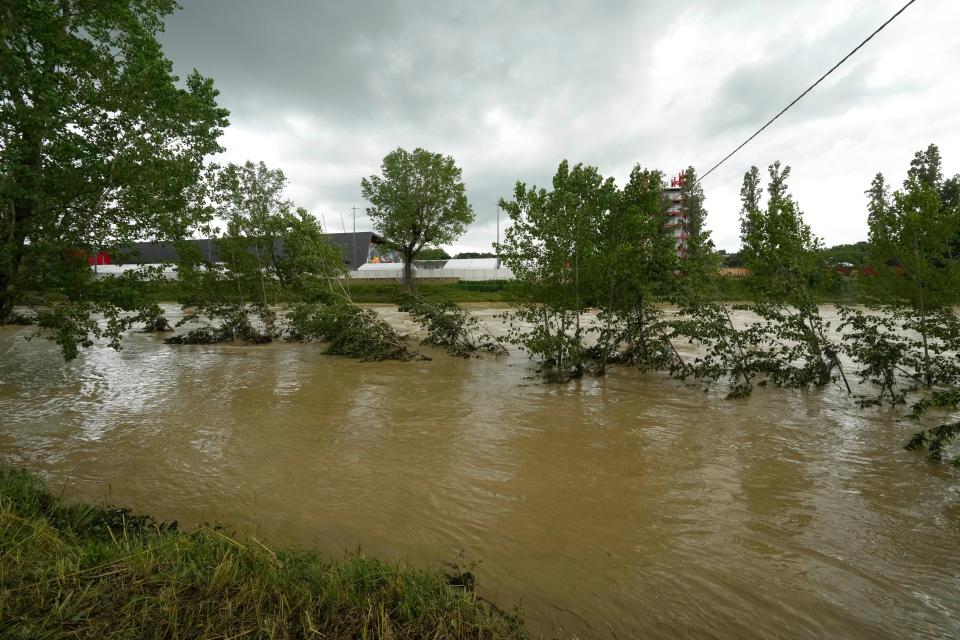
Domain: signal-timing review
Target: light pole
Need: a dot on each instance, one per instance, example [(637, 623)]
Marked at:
[(353, 258), (498, 235)]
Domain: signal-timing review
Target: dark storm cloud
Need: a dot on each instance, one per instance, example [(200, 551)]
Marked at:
[(408, 63)]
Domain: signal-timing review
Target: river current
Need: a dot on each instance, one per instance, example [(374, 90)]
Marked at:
[(625, 506)]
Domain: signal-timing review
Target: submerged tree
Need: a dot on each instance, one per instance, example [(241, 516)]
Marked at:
[(349, 330), (268, 253), (549, 246), (913, 235), (587, 244), (786, 262), (723, 349), (633, 271), (418, 201), (907, 346), (100, 146)]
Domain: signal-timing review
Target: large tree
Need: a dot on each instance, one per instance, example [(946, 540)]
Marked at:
[(418, 201), (100, 144), (588, 244)]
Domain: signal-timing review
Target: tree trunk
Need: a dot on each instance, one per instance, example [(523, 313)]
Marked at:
[(6, 298), (12, 252), (20, 210), (408, 256)]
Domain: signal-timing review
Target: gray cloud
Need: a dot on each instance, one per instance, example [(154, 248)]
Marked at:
[(754, 92)]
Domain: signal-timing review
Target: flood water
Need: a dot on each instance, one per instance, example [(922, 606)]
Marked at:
[(628, 506)]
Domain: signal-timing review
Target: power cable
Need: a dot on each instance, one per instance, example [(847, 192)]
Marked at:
[(809, 89)]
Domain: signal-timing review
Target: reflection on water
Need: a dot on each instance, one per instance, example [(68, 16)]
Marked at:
[(621, 507)]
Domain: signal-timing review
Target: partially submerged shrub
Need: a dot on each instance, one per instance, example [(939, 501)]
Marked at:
[(449, 326), (230, 322), (553, 336), (154, 320), (903, 353), (797, 351), (899, 350), (636, 336), (350, 331), (724, 351), (18, 319), (936, 438)]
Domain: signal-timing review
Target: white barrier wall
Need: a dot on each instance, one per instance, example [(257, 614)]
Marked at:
[(102, 270), (440, 274), (170, 273)]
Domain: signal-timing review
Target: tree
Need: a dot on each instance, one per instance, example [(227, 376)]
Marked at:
[(633, 271), (474, 254), (786, 262), (913, 234), (100, 145), (699, 255), (550, 247), (433, 253), (907, 347), (724, 349), (750, 194), (855, 254), (419, 200), (691, 194), (586, 243)]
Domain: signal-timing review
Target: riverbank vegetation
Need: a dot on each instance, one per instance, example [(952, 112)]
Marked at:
[(85, 571), (349, 330)]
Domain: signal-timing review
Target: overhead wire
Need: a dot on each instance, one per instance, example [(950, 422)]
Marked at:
[(808, 90)]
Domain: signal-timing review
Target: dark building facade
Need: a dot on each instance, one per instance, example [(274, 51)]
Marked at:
[(356, 249)]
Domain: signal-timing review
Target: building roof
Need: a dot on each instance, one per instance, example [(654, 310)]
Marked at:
[(356, 249)]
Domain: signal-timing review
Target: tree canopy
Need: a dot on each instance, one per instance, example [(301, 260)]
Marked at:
[(100, 143), (418, 200)]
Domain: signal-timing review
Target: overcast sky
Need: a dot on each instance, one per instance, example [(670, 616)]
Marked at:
[(324, 89)]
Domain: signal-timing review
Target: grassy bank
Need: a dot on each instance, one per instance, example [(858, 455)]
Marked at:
[(835, 289), (364, 292), (81, 571), (388, 292)]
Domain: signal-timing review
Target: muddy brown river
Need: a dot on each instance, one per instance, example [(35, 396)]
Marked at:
[(628, 506)]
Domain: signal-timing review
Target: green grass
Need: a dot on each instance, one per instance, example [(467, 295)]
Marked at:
[(365, 292), (463, 291), (80, 571)]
